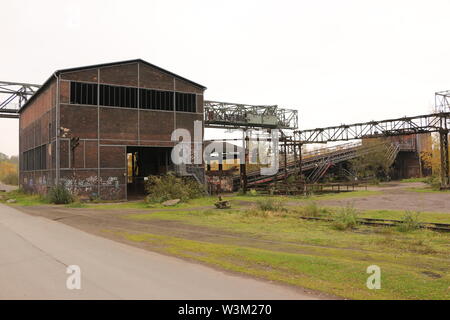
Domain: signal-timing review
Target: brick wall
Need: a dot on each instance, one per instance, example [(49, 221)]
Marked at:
[(104, 132)]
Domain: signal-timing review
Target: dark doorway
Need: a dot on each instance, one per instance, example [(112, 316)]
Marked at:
[(143, 162)]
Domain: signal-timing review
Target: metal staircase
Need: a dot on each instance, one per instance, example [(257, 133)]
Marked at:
[(319, 161)]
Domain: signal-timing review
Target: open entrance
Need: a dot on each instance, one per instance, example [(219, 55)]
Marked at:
[(143, 162)]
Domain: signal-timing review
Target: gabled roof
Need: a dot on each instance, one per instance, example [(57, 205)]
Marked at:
[(102, 65)]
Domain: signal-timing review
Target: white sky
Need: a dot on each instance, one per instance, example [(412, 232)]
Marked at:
[(335, 61)]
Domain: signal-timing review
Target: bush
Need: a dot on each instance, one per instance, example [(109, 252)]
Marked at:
[(347, 218), (168, 187), (270, 204), (409, 222), (59, 195)]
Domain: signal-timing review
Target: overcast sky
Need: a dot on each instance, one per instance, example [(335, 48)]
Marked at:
[(335, 61)]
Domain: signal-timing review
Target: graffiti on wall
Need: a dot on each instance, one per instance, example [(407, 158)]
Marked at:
[(89, 186)]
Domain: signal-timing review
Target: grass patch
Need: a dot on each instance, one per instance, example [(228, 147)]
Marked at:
[(288, 227), (423, 179), (428, 190), (429, 217), (341, 272), (76, 204), (24, 199), (313, 210), (344, 195), (270, 204), (317, 197)]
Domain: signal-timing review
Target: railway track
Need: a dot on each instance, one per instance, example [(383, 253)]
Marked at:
[(440, 227)]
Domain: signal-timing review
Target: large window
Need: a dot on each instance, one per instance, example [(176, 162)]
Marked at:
[(83, 93), (115, 96), (127, 97), (156, 100), (35, 159), (185, 102)]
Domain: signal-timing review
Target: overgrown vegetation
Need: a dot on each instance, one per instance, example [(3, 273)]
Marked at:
[(409, 222), (375, 164), (313, 210), (169, 186), (270, 204), (8, 170), (346, 218), (59, 195)]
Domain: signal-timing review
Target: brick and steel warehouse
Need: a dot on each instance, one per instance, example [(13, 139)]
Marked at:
[(101, 129)]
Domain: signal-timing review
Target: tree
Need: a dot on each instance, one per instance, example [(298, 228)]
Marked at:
[(431, 156), (9, 169), (372, 164)]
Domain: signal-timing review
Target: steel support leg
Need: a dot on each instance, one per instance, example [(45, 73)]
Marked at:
[(443, 139), (243, 166), (285, 159)]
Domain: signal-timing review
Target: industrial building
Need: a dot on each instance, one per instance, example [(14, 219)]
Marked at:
[(100, 129)]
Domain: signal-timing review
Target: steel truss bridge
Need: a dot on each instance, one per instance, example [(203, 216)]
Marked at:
[(429, 123), (13, 96), (435, 122), (234, 115), (227, 115)]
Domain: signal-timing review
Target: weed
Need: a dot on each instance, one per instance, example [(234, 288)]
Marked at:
[(313, 210), (409, 222), (346, 218), (270, 204), (256, 213)]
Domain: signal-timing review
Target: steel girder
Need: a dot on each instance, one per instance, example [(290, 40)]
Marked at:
[(442, 101), (234, 115), (13, 96), (373, 129)]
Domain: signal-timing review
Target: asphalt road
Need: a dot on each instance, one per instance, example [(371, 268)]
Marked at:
[(35, 253)]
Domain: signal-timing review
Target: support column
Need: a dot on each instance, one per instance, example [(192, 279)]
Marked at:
[(285, 158), (443, 139), (294, 146), (300, 168), (243, 166)]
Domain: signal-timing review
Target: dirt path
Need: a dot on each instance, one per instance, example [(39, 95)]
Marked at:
[(97, 222), (396, 196), (6, 187)]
